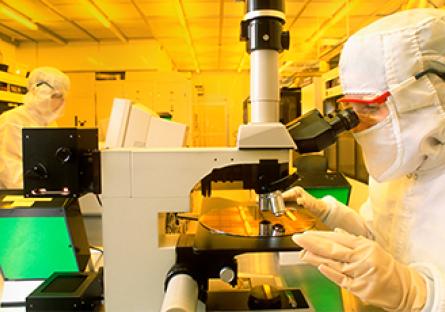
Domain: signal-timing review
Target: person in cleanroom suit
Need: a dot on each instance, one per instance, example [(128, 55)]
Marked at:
[(391, 254), (43, 104)]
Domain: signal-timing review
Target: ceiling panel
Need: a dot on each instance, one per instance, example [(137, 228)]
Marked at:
[(233, 9), (195, 9), (65, 30), (321, 9), (32, 8), (204, 27), (134, 28), (165, 27), (97, 29), (74, 11), (163, 8), (16, 27), (8, 32), (118, 10), (175, 43), (215, 41)]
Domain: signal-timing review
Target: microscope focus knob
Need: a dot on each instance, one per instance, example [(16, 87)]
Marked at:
[(227, 274), (64, 154), (38, 171), (264, 297)]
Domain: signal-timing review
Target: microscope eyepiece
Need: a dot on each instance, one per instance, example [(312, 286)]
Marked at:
[(313, 132), (343, 120)]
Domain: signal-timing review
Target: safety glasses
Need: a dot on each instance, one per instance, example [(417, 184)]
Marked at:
[(41, 83), (56, 95), (372, 108)]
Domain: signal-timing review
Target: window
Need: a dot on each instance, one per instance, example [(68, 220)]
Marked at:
[(110, 75)]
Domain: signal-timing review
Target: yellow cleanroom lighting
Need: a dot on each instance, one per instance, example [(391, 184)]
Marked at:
[(98, 15), (285, 66), (18, 17), (241, 63), (348, 6)]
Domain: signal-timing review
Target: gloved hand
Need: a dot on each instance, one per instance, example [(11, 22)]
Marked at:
[(331, 212), (317, 207), (361, 266)]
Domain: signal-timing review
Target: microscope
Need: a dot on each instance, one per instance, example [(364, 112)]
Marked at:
[(212, 251), (147, 192)]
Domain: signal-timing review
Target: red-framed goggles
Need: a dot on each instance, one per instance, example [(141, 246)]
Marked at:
[(372, 108), (366, 98), (382, 97)]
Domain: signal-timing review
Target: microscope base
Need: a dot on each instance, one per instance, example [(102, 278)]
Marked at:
[(238, 300)]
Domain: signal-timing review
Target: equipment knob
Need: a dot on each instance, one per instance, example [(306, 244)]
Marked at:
[(64, 154), (226, 274), (38, 171), (285, 40)]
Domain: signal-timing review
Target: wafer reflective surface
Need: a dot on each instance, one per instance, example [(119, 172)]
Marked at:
[(244, 220)]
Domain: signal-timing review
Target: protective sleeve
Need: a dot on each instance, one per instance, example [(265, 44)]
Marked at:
[(11, 156), (346, 218), (435, 283)]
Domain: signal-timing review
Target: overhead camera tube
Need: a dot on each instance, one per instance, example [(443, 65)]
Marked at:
[(261, 28)]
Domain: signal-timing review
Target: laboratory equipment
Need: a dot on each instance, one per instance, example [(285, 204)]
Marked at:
[(148, 193), (44, 235)]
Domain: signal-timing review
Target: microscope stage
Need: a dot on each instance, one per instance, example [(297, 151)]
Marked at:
[(249, 221), (210, 242)]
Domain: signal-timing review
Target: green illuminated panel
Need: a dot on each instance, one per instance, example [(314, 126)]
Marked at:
[(35, 247), (341, 194), (323, 294)]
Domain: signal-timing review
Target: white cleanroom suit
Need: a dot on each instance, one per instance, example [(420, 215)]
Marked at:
[(43, 104), (392, 254)]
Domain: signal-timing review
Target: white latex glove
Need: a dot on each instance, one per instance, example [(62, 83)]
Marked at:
[(317, 207), (361, 266), (330, 211)]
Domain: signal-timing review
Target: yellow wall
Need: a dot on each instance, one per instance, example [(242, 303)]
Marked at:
[(213, 118), (150, 79), (218, 113), (7, 51), (8, 56), (135, 55), (91, 100)]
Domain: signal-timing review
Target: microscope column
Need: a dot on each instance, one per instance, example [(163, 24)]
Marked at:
[(262, 29)]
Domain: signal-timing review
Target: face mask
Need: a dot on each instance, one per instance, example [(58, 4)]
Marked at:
[(391, 149), (42, 101), (379, 146)]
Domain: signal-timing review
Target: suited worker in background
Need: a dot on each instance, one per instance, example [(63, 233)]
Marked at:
[(43, 104), (391, 254)]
